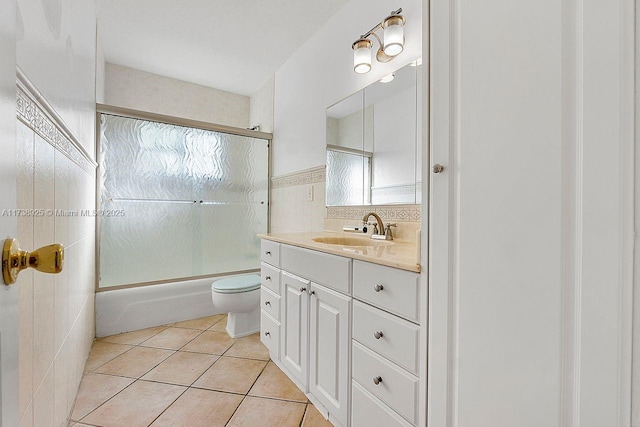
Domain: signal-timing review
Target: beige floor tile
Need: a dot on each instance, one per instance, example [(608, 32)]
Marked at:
[(181, 368), (171, 338), (137, 405), (95, 389), (313, 418), (135, 337), (135, 363), (255, 411), (220, 326), (102, 352), (81, 425), (197, 408), (231, 374), (249, 347), (210, 342), (274, 383), (201, 323)]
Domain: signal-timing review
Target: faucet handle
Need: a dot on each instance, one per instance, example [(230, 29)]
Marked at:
[(388, 235)]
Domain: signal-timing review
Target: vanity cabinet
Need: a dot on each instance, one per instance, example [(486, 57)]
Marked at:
[(386, 347), (315, 338), (270, 277), (348, 333)]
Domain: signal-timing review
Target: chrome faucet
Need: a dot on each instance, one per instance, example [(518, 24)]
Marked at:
[(378, 229)]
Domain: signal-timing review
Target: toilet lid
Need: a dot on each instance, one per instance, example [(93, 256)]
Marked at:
[(236, 284)]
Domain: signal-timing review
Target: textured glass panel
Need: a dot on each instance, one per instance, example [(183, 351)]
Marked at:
[(348, 179), (193, 201)]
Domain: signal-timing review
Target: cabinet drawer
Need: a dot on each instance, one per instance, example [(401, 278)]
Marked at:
[(366, 410), (397, 388), (270, 277), (270, 334), (394, 290), (270, 303), (331, 271), (270, 252), (398, 341)]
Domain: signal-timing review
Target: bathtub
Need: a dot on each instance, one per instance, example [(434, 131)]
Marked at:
[(124, 310)]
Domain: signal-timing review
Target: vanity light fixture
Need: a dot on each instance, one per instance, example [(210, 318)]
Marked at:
[(388, 78), (391, 46)]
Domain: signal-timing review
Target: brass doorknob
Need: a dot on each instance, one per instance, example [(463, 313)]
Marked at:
[(47, 259)]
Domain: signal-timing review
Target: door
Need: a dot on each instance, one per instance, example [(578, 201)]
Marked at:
[(8, 223), (329, 341), (295, 333)]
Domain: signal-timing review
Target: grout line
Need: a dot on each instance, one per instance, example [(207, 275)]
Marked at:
[(247, 393), (306, 409)]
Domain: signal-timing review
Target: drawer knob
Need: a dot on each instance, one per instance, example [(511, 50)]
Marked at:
[(378, 288), (267, 252), (303, 289), (267, 303), (378, 334), (267, 334), (268, 278), (377, 380)]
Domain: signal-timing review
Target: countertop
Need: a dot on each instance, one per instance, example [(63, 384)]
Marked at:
[(400, 254)]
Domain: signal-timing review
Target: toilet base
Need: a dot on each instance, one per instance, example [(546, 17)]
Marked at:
[(243, 324)]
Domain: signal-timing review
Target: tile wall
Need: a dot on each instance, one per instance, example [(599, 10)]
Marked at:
[(56, 312), (291, 207)]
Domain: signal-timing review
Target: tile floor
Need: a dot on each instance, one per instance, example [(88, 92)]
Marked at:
[(188, 374)]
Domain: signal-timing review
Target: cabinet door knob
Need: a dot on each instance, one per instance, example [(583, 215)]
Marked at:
[(267, 334), (377, 380), (378, 334), (378, 288), (267, 303), (303, 289), (268, 278), (267, 252), (438, 168)]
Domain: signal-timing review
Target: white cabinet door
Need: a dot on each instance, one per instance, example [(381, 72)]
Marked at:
[(295, 334), (329, 377)]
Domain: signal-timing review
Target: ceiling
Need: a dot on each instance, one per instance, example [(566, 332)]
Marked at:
[(233, 45)]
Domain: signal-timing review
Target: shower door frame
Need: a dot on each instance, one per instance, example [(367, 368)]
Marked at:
[(177, 121)]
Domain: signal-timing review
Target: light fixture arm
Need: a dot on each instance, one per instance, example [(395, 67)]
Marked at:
[(385, 53), (379, 25)]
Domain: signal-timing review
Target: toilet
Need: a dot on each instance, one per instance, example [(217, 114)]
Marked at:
[(240, 297)]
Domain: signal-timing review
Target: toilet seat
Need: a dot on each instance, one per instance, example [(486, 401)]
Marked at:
[(236, 284)]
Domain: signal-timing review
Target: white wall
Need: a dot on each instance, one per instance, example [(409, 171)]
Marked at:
[(57, 50), (321, 73), (261, 106), (635, 420), (139, 90), (531, 229)]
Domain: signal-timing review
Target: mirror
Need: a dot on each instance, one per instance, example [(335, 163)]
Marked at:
[(373, 143)]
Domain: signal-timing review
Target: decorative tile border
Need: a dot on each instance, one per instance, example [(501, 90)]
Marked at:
[(401, 213), (39, 116), (307, 176)]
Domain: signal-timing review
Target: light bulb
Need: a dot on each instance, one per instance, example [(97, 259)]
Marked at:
[(362, 56), (393, 35)]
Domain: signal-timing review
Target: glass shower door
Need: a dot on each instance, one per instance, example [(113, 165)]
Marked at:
[(178, 202)]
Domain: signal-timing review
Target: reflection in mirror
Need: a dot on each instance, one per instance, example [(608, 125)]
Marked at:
[(348, 168), (373, 149)]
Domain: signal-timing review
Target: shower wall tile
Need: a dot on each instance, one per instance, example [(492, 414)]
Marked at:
[(56, 312), (139, 90)]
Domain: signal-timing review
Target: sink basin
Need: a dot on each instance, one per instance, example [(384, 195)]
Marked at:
[(351, 241)]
